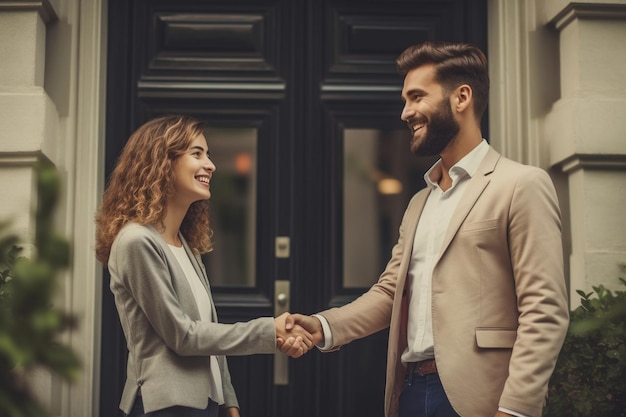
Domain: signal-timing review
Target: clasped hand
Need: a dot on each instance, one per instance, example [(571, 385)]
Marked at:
[(296, 334)]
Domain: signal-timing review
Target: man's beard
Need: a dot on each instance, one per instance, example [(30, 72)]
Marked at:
[(440, 131)]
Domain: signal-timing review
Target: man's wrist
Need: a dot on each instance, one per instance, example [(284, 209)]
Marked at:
[(327, 341)]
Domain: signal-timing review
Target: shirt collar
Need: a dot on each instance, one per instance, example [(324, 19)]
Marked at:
[(466, 166)]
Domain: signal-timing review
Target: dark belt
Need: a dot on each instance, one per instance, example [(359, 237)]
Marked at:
[(422, 368)]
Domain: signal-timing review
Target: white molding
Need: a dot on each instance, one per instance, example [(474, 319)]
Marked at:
[(43, 7), (89, 125), (523, 68), (508, 101), (575, 11), (595, 162), (20, 159)]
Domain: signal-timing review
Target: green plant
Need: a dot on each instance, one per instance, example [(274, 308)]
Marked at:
[(590, 376), (9, 252), (30, 325)]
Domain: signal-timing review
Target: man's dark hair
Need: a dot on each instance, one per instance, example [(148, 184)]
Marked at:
[(456, 64)]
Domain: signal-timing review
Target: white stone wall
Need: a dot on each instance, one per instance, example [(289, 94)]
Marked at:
[(25, 108), (51, 108), (558, 101), (586, 128)]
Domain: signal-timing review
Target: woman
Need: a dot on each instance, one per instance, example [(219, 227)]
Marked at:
[(152, 227)]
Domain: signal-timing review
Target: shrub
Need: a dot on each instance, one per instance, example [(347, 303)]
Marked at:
[(30, 325), (590, 375)]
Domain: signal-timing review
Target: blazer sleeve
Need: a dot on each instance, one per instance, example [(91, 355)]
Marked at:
[(371, 312), (138, 265), (536, 253), (230, 398)]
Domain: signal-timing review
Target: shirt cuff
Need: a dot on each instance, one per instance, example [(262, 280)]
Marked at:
[(513, 413), (327, 342)]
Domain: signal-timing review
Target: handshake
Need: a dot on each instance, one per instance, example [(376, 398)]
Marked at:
[(296, 334)]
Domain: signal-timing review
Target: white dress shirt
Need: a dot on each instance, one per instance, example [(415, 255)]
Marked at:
[(431, 229)]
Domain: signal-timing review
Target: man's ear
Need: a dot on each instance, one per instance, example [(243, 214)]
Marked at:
[(462, 98)]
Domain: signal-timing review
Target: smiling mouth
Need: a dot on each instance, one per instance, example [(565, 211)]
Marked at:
[(204, 180), (416, 124), (414, 128)]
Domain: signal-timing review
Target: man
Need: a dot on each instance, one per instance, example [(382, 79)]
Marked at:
[(474, 293)]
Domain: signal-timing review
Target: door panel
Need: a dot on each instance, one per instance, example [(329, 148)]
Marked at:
[(303, 102), (232, 263), (379, 177)]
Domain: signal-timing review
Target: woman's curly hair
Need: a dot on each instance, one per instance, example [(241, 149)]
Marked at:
[(142, 181)]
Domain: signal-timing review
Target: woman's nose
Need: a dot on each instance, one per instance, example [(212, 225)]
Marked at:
[(209, 165)]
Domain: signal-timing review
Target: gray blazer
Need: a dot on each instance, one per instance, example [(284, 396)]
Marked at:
[(168, 345)]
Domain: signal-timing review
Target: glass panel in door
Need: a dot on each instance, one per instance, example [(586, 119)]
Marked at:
[(380, 176), (233, 207)]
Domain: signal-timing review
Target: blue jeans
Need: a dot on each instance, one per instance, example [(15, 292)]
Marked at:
[(423, 396), (178, 411)]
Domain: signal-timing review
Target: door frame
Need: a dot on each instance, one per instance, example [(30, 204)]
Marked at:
[(300, 130)]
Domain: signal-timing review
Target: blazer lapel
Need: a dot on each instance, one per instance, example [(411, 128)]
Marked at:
[(414, 211), (477, 185), (197, 264), (413, 215), (179, 281), (201, 271)]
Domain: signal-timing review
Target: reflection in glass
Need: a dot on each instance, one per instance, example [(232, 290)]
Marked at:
[(233, 207), (380, 176)]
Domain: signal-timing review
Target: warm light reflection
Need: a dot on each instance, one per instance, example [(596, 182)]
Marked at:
[(232, 263), (388, 186), (243, 163)]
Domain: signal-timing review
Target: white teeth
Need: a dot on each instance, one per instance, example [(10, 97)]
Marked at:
[(205, 180)]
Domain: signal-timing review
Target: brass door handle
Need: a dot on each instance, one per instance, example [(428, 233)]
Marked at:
[(281, 305)]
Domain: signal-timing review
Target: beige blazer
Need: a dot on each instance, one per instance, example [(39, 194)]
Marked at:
[(168, 344), (499, 302)]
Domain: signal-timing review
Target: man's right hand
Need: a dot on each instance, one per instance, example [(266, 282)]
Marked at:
[(309, 323)]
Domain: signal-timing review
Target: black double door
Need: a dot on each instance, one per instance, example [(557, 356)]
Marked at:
[(313, 169)]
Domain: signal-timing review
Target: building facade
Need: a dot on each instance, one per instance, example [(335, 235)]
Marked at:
[(558, 101)]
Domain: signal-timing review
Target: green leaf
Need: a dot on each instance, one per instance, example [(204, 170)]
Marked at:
[(30, 324)]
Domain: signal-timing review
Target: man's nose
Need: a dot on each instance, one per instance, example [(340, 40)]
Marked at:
[(406, 113)]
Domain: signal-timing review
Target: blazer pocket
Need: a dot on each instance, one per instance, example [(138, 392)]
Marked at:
[(479, 225), (495, 337)]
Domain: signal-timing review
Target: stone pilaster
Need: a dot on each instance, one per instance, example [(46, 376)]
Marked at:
[(28, 133), (28, 117), (586, 132)]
